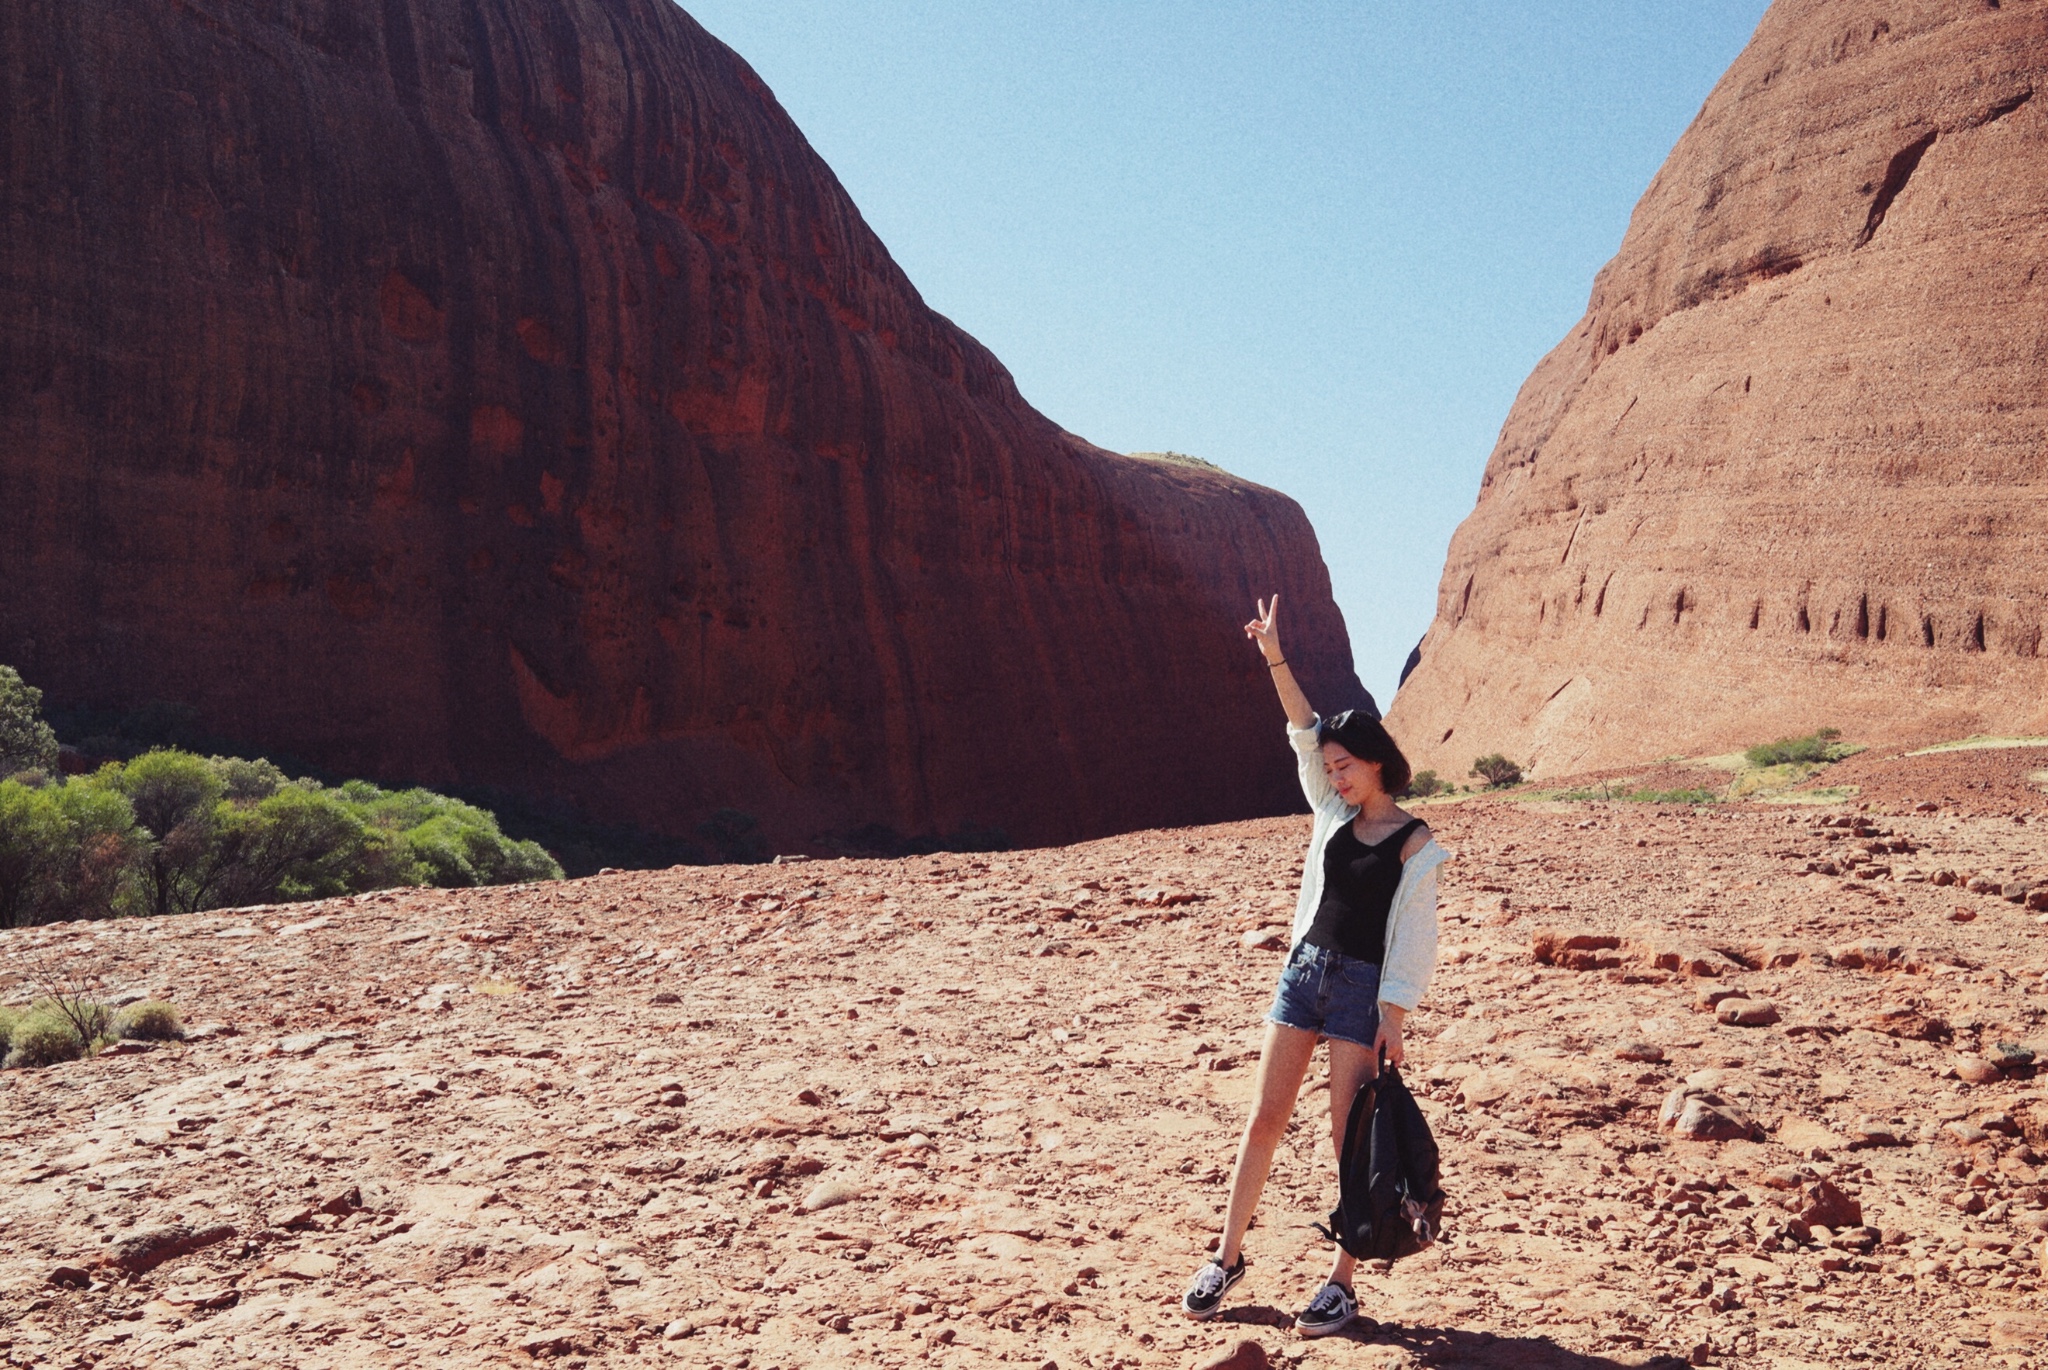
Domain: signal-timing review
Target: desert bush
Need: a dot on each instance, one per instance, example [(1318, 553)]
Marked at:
[(1497, 771), (246, 782), (26, 741), (1426, 783), (43, 1037), (1637, 795), (8, 1019), (177, 801), (173, 832), (153, 1020), (91, 1021), (228, 832), (1816, 747), (436, 840), (302, 842), (66, 851)]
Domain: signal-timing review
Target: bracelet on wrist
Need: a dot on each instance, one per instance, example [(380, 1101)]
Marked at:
[(1276, 665)]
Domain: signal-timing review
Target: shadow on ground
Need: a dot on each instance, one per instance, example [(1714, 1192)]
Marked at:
[(1451, 1348)]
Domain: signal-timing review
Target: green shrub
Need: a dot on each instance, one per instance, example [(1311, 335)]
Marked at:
[(177, 800), (1426, 783), (66, 851), (227, 832), (43, 1038), (441, 841), (153, 1020), (1608, 793), (247, 781), (1818, 747), (8, 1019), (170, 831), (91, 1021), (1497, 771), (302, 842), (26, 742)]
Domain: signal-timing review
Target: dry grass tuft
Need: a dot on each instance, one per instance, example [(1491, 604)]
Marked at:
[(150, 1021), (43, 1038)]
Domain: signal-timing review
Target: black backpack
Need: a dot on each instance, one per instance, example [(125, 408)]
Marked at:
[(1389, 1203)]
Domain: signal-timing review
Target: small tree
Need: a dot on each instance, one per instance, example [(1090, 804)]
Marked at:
[(26, 742), (68, 997), (66, 851), (1497, 771), (1425, 784), (302, 842), (177, 797)]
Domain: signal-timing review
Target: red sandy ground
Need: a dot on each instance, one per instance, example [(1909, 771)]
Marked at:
[(576, 1122)]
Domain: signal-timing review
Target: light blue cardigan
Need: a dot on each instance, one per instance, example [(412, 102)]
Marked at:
[(1410, 956)]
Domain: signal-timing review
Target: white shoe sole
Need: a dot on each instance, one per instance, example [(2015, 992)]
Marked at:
[(1329, 1328)]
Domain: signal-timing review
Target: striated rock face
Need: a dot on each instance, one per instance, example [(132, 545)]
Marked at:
[(1791, 469), (504, 394)]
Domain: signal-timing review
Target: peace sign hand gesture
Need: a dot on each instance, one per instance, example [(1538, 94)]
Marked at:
[(1263, 631)]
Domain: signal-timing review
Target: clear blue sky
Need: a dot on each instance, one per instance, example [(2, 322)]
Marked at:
[(1320, 244)]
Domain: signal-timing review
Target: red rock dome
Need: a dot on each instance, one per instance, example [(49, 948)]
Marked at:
[(504, 394), (1791, 469)]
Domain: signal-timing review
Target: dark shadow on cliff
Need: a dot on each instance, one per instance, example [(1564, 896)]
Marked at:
[(585, 847), (881, 840), (96, 736), (1453, 1348)]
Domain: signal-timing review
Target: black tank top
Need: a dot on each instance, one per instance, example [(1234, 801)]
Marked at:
[(1358, 893)]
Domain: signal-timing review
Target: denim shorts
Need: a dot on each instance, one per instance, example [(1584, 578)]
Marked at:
[(1328, 993)]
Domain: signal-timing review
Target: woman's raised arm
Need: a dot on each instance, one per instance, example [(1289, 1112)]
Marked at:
[(1263, 631)]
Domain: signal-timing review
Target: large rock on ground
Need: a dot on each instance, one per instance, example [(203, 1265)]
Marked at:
[(505, 395), (1787, 472)]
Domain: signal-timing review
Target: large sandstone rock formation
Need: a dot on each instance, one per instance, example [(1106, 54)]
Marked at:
[(502, 393), (1791, 469)]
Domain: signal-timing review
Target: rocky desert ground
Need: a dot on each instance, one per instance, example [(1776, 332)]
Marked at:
[(1740, 1085)]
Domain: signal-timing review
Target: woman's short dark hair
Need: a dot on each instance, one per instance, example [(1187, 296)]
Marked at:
[(1366, 738)]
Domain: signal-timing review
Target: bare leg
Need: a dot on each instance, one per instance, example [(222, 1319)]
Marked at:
[(1283, 1061), (1351, 1065)]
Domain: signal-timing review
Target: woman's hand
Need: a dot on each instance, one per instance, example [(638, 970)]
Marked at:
[(1262, 630), (1388, 1038)]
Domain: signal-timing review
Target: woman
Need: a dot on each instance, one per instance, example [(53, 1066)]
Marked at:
[(1363, 949)]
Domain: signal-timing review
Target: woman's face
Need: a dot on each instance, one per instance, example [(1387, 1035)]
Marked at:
[(1354, 781)]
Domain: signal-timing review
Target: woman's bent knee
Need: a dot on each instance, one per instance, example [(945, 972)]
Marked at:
[(1267, 1125)]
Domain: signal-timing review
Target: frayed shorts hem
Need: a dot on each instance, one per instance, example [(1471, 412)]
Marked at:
[(1321, 1034)]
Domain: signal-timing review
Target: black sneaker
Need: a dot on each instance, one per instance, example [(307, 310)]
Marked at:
[(1210, 1284), (1331, 1310)]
